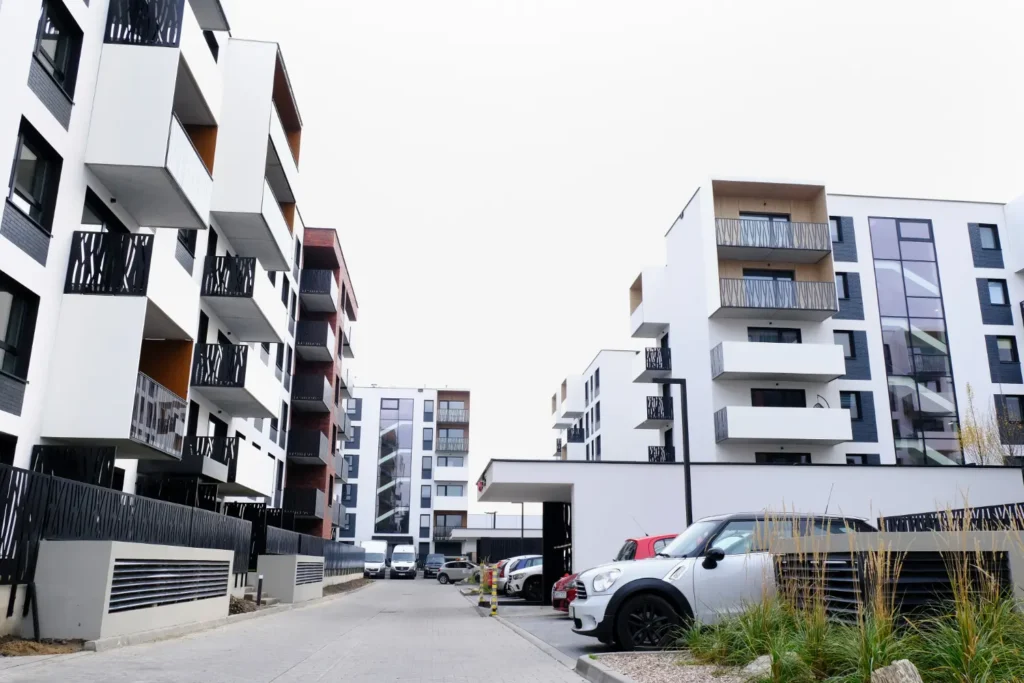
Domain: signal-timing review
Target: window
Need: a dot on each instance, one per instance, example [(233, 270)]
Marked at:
[(1007, 349), (597, 448), (428, 411), (842, 288), (989, 235), (782, 458), (845, 339), (96, 217), (588, 451), (58, 43), (453, 405), (766, 217), (424, 521), (851, 401), (997, 295), (597, 382), (586, 393), (36, 172), (836, 228), (862, 459), (660, 544), (774, 335), (768, 274), (349, 495), (427, 467), (353, 465), (737, 538), (450, 461), (1014, 406), (18, 308), (627, 552), (597, 417), (211, 42), (428, 438), (425, 495), (778, 398), (357, 435), (455, 490)]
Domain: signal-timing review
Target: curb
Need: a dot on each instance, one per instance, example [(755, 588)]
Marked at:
[(105, 644), (591, 668)]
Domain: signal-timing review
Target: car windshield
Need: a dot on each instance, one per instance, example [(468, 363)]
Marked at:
[(374, 557), (691, 541), (403, 557), (435, 559)]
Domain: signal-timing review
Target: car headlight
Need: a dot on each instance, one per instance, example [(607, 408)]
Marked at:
[(605, 580), (677, 572)]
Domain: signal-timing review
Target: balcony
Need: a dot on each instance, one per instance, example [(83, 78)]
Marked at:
[(202, 456), (451, 502), (768, 425), (224, 375), (574, 435), (451, 472), (661, 454), (444, 533), (346, 340), (744, 239), (338, 514), (312, 394), (793, 362), (340, 468), (346, 428), (308, 447), (314, 341), (653, 364), (648, 310), (780, 299), (658, 413), (345, 384), (452, 444), (305, 503), (251, 473), (239, 292), (318, 291), (257, 227), (453, 416)]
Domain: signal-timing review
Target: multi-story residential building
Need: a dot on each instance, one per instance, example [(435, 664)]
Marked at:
[(150, 249), (408, 467), (593, 424)]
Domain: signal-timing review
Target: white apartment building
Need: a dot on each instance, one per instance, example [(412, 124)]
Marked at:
[(408, 467), (150, 250), (593, 423), (835, 333)]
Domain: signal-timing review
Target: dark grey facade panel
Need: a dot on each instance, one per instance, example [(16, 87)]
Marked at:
[(865, 430), (1009, 432), (186, 259), (25, 233), (851, 308), (12, 394), (983, 258), (992, 315), (845, 251), (1002, 373), (858, 367), (50, 94)]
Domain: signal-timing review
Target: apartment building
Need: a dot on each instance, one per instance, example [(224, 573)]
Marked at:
[(408, 467), (592, 423), (150, 249)]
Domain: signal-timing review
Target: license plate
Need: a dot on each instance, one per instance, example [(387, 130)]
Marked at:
[(559, 595)]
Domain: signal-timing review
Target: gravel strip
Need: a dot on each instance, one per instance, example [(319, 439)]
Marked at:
[(667, 667)]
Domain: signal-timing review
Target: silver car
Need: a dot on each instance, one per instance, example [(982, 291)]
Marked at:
[(451, 572)]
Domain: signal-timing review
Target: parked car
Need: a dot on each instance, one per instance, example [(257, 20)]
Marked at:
[(711, 570), (432, 564), (564, 592), (528, 582), (513, 563), (452, 572)]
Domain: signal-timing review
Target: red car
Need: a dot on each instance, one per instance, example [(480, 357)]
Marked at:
[(564, 590)]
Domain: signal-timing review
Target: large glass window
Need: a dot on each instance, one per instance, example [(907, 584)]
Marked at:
[(774, 335), (1007, 349), (450, 461), (428, 411), (778, 398), (58, 42), (18, 308), (36, 172), (428, 438), (915, 343), (997, 295), (989, 235), (456, 490), (394, 466)]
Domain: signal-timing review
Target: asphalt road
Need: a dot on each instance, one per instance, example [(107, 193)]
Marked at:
[(553, 628)]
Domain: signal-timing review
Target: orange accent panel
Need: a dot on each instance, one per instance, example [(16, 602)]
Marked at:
[(205, 140), (168, 362)]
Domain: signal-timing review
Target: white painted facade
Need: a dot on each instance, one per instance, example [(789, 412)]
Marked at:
[(604, 415)]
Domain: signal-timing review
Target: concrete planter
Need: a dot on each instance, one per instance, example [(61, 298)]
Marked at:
[(104, 589), (292, 578)]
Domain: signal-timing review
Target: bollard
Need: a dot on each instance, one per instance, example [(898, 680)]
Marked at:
[(481, 599), (259, 591), (494, 597)]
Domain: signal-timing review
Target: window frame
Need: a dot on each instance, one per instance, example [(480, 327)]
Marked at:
[(63, 76), (428, 441), (49, 167), (428, 402), (837, 235), (849, 337), (842, 292), (994, 231), (782, 458), (1019, 400), (764, 392), (759, 331), (1004, 289), (26, 303), (1014, 356), (855, 408)]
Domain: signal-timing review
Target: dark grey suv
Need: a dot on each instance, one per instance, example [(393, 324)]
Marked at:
[(432, 564)]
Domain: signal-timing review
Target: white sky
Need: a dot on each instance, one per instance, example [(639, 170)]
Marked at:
[(500, 171)]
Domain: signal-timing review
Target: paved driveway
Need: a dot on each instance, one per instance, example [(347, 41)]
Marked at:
[(390, 631)]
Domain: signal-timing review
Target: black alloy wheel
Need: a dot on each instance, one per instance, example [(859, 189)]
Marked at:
[(531, 591), (646, 622)]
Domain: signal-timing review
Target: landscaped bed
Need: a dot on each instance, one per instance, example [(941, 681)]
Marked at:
[(346, 587), (668, 667), (12, 646)]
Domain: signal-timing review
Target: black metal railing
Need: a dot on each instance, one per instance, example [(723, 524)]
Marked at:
[(659, 408), (443, 533), (316, 282), (657, 358), (229, 276), (341, 559), (661, 454), (452, 444), (158, 416), (222, 449), (721, 425), (778, 294), (746, 232), (453, 415), (574, 435), (1008, 517), (145, 22), (109, 263), (315, 333), (304, 502), (308, 444), (34, 506), (88, 464), (219, 365), (311, 387)]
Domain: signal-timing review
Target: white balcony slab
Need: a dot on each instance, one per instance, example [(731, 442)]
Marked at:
[(754, 424), (450, 503), (253, 473), (245, 300), (796, 362), (451, 473), (255, 394)]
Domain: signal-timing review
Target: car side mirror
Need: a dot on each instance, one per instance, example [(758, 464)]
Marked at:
[(713, 557)]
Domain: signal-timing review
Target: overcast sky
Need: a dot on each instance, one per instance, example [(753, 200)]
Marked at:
[(500, 171)]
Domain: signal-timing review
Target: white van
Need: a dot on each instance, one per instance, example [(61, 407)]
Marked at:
[(373, 563), (403, 562)]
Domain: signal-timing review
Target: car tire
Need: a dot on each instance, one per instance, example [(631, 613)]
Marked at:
[(646, 622), (532, 589), (508, 589), (442, 579)]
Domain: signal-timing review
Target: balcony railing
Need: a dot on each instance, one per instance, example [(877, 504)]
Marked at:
[(452, 444), (109, 263), (444, 533), (721, 425), (453, 415), (155, 23), (574, 435), (305, 502), (313, 392), (745, 232), (221, 449), (158, 416), (778, 294), (659, 408), (308, 446), (219, 365), (661, 454), (656, 358), (316, 282), (228, 276)]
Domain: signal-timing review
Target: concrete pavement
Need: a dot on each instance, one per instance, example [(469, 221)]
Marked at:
[(390, 631)]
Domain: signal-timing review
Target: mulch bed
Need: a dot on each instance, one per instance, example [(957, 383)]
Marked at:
[(345, 587), (12, 646)]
